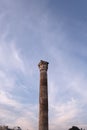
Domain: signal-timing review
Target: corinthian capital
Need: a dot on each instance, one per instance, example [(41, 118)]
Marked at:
[(43, 65)]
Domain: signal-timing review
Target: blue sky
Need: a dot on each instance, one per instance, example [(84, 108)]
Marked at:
[(51, 30)]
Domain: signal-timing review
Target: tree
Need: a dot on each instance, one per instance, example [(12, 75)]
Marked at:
[(74, 128)]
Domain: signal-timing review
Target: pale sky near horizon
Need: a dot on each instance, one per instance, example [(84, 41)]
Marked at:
[(50, 30)]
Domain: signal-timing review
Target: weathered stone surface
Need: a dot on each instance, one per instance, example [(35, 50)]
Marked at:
[(43, 96)]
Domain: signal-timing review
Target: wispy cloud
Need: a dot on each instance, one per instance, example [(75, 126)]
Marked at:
[(10, 56), (11, 62)]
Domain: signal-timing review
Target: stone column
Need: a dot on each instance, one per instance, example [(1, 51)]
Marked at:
[(43, 96)]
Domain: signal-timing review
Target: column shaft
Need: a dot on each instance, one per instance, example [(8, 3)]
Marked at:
[(43, 96)]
